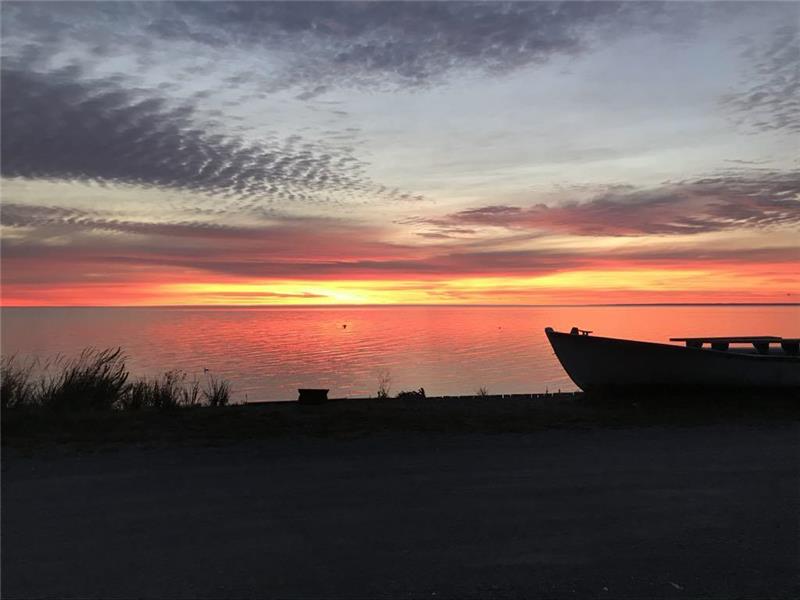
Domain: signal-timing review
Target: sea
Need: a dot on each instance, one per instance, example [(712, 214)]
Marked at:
[(267, 353)]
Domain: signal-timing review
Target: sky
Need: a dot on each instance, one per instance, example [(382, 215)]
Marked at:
[(431, 152)]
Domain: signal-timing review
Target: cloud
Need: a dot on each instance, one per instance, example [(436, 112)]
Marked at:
[(296, 249), (396, 43), (725, 202), (63, 220), (238, 106), (131, 93), (770, 99), (59, 126), (317, 46)]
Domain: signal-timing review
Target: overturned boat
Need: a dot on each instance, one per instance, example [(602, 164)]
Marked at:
[(600, 364)]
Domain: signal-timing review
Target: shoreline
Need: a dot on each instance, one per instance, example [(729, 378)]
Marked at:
[(30, 429)]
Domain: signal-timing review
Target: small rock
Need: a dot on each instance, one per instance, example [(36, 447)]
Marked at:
[(675, 585)]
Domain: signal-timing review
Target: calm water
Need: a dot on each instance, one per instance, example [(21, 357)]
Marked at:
[(269, 352)]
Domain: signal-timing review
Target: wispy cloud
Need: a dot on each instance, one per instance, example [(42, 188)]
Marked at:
[(397, 43), (725, 202), (318, 45), (770, 97), (300, 250), (60, 126)]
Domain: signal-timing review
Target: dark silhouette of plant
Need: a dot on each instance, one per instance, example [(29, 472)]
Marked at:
[(384, 384), (167, 392), (16, 386), (412, 395), (217, 391), (96, 380)]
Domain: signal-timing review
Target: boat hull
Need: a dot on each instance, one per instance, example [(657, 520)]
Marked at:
[(599, 364)]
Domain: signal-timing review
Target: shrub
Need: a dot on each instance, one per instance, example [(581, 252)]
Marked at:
[(412, 395), (482, 392)]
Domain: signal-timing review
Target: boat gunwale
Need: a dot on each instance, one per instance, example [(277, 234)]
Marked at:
[(675, 348)]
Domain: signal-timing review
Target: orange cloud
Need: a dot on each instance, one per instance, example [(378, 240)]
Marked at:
[(620, 283)]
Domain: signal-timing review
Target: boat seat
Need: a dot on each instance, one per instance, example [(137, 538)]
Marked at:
[(760, 343)]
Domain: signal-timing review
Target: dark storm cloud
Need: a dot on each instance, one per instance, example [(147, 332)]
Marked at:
[(732, 201), (62, 127), (771, 97)]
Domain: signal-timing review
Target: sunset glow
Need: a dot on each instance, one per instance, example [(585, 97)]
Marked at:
[(399, 153), (600, 285)]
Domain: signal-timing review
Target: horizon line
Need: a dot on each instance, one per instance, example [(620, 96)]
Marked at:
[(400, 305)]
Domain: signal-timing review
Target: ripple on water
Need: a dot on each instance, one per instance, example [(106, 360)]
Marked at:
[(268, 353)]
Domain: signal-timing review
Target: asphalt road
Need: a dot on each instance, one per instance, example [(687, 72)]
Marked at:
[(684, 512)]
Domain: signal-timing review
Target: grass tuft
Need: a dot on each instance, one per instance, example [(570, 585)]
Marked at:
[(16, 384), (217, 392), (97, 380), (384, 384), (167, 392)]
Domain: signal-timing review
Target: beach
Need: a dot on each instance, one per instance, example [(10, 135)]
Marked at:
[(696, 508)]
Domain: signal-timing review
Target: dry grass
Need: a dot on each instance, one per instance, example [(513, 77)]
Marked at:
[(217, 392), (16, 382), (98, 380)]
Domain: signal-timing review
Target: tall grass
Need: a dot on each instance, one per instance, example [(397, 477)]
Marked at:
[(169, 391), (217, 392), (16, 385), (95, 380), (99, 380)]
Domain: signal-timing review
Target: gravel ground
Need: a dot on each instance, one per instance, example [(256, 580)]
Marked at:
[(705, 511)]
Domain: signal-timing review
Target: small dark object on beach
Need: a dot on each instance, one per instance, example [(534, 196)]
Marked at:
[(312, 395)]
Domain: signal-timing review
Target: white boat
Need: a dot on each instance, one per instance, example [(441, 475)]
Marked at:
[(601, 364)]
